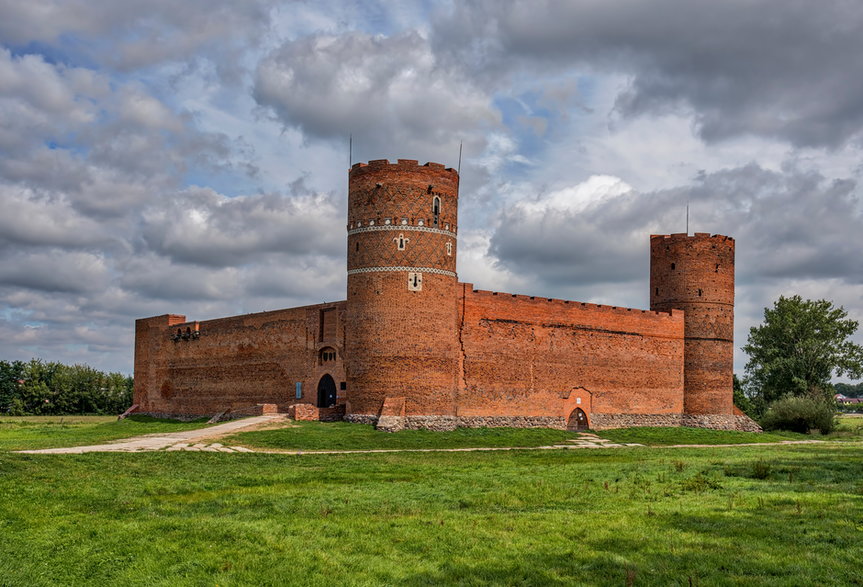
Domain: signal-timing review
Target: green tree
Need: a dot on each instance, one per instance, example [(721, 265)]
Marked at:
[(798, 349), (11, 378), (741, 400)]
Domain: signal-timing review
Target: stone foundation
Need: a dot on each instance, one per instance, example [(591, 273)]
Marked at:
[(361, 419), (712, 421), (557, 422), (442, 423), (597, 421)]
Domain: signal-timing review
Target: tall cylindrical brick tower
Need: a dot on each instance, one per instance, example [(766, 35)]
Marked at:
[(402, 343), (696, 274)]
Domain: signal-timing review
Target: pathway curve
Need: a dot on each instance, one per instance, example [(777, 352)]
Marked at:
[(187, 439), (200, 441)]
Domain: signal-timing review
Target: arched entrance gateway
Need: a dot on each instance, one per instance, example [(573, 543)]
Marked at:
[(326, 392), (577, 420)]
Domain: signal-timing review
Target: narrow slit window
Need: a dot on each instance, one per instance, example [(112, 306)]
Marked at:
[(716, 269), (672, 266), (699, 293), (656, 292), (358, 247), (401, 241), (436, 206)]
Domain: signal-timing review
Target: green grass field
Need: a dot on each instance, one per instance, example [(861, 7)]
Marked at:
[(313, 436), (19, 433), (344, 436), (666, 436), (767, 515)]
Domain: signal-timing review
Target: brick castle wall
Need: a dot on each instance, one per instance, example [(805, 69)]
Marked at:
[(203, 368), (538, 357)]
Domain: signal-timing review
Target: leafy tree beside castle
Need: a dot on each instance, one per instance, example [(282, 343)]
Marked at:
[(798, 349)]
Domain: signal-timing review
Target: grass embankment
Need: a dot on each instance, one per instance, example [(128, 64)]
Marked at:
[(344, 436), (34, 432), (774, 515), (667, 436)]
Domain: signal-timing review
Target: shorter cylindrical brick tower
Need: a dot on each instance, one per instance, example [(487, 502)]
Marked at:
[(402, 342), (696, 274)]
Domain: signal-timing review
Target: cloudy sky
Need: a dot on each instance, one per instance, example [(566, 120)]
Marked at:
[(190, 157)]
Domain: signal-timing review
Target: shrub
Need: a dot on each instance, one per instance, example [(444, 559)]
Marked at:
[(800, 414)]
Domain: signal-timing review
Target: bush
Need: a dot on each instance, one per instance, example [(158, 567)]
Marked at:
[(800, 414)]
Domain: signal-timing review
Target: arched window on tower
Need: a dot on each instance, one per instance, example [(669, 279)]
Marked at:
[(436, 209)]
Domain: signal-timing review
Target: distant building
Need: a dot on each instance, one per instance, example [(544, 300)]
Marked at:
[(413, 347)]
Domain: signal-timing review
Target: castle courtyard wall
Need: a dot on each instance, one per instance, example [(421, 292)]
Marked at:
[(539, 358), (204, 368)]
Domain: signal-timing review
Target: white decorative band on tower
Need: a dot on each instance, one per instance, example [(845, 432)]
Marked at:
[(402, 227), (433, 270)]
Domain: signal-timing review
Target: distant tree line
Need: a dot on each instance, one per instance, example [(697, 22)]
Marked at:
[(44, 388)]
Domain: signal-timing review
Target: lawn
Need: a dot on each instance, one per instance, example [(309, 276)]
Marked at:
[(775, 515), (18, 433), (666, 436), (345, 436), (342, 436)]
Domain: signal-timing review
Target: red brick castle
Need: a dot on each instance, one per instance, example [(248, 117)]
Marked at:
[(412, 347)]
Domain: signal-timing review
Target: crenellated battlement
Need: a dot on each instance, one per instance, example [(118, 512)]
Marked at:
[(468, 289), (399, 165), (698, 236)]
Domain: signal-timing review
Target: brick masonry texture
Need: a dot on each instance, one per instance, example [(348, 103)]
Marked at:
[(696, 274), (411, 347)]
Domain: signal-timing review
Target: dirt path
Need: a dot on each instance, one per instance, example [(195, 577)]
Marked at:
[(151, 442), (201, 441)]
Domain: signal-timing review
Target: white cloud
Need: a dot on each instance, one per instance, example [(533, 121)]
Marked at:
[(389, 92)]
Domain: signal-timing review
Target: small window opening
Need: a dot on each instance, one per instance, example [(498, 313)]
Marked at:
[(716, 270), (358, 246), (401, 241), (656, 292), (343, 385), (436, 206), (672, 266), (699, 292)]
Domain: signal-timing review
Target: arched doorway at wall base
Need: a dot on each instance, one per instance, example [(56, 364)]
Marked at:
[(326, 392), (577, 420)]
